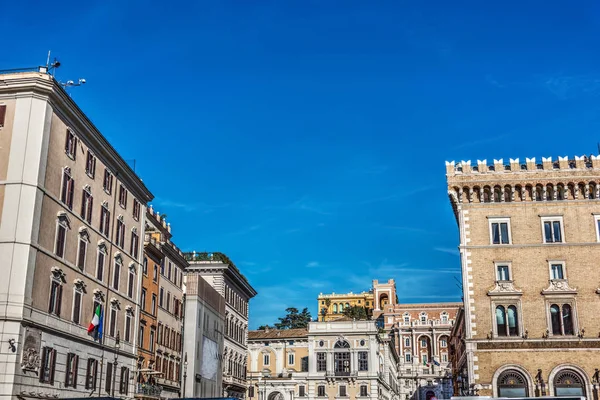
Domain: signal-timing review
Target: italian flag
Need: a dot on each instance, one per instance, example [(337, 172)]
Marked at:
[(95, 327)]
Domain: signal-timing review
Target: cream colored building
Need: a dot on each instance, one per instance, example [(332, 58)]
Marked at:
[(331, 360), (71, 218), (332, 306), (529, 236)]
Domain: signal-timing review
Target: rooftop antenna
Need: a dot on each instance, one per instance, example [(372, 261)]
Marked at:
[(51, 67)]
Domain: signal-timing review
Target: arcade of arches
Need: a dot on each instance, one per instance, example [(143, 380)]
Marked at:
[(566, 382)]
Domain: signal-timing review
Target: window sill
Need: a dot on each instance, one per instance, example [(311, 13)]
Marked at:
[(71, 156), (92, 176), (108, 192)]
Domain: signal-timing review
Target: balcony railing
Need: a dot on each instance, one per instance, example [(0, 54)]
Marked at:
[(148, 389), (341, 374)]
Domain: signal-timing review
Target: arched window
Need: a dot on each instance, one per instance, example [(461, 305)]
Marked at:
[(513, 322), (549, 192), (507, 194), (497, 195), (341, 307), (347, 305), (501, 321), (512, 383), (341, 358), (335, 308), (539, 193), (560, 195), (567, 319), (562, 319), (568, 383), (486, 195), (555, 317)]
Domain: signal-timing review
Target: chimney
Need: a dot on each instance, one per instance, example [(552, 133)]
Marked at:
[(266, 329)]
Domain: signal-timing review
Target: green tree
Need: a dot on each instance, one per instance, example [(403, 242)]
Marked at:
[(356, 312), (263, 327), (294, 319)]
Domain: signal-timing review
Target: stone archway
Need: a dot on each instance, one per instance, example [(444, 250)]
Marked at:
[(275, 396), (429, 395)]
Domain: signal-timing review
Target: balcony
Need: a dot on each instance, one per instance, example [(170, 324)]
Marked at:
[(148, 389), (341, 374)]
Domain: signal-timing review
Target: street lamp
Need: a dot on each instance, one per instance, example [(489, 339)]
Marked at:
[(185, 364), (117, 346), (265, 374)]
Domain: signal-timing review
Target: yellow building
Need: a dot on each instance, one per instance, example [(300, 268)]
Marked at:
[(332, 306)]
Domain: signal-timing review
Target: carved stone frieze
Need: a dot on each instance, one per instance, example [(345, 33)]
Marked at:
[(504, 288), (559, 286)]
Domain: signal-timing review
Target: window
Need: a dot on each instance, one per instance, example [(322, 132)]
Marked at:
[(502, 272), (153, 304), (112, 330), (321, 390), (86, 205), (109, 376), (77, 297), (423, 318), (266, 359), (145, 266), (363, 391), (136, 210), (170, 270), (444, 316), (363, 361), (552, 229), (406, 318), (134, 250), (71, 371), (55, 297), (161, 293), (423, 342), (251, 391), (91, 375), (100, 262), (512, 383), (407, 357), (127, 327), (168, 305), (90, 165), (141, 337), (301, 391), (143, 300), (48, 365), (597, 219), (124, 382), (151, 340), (162, 267), (304, 362), (443, 342), (68, 185), (507, 323), (424, 358), (291, 359), (321, 362), (104, 219), (120, 233), (122, 196), (343, 391), (2, 114), (500, 230), (117, 273), (82, 250), (155, 273), (407, 342), (108, 181), (562, 321), (557, 270), (130, 283), (71, 144), (62, 224), (444, 357)]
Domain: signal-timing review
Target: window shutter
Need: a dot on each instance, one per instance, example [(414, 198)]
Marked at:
[(75, 372), (89, 213), (74, 147), (43, 369), (71, 187), (52, 366), (67, 141), (2, 114), (58, 299)]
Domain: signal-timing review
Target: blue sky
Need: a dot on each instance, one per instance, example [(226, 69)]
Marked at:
[(307, 139)]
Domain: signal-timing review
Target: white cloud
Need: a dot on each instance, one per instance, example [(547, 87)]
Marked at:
[(312, 264), (447, 250)]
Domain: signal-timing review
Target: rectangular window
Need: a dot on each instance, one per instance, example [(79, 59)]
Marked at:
[(127, 327), (424, 358), (155, 273), (557, 270), (363, 391), (134, 246), (108, 181), (266, 359), (251, 391), (321, 362), (136, 210), (130, 283), (77, 297), (597, 219), (161, 293), (552, 227), (122, 196), (423, 343), (153, 304), (291, 359), (443, 343), (112, 331), (86, 206), (407, 357), (71, 372), (91, 375), (48, 365), (116, 275), (120, 234), (68, 185), (61, 238), (90, 165), (104, 220), (500, 230), (444, 357), (321, 390), (151, 340), (109, 376), (162, 267), (304, 366), (363, 361), (124, 382), (2, 114), (343, 391), (71, 144), (141, 337), (502, 272), (100, 264), (55, 298), (168, 305), (81, 253), (143, 299), (407, 342), (170, 268)]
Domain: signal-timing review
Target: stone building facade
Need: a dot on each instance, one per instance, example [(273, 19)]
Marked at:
[(220, 272), (330, 360), (529, 240), (331, 306), (71, 216)]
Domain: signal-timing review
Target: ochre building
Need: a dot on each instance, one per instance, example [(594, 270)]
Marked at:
[(529, 244)]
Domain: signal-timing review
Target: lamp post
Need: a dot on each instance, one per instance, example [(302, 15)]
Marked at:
[(185, 364), (265, 375), (117, 346)]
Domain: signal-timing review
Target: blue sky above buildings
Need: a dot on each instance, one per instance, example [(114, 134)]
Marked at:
[(307, 139)]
